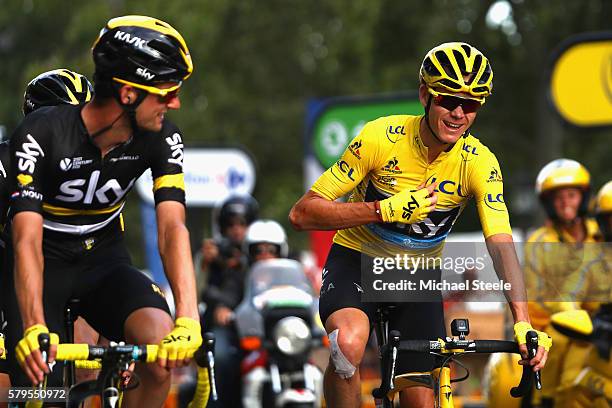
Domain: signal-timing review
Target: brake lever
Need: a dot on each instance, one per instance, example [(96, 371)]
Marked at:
[(526, 378), (532, 350)]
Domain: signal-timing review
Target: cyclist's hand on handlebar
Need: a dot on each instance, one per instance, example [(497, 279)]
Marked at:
[(178, 346), (29, 356), (409, 206), (544, 344)]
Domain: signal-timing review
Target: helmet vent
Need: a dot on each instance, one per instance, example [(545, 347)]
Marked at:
[(446, 64), (450, 84), (485, 75), (467, 49), (460, 61), (430, 68)]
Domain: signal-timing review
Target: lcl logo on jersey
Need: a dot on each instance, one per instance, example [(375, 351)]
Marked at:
[(176, 146), (28, 155), (495, 202), (86, 190)]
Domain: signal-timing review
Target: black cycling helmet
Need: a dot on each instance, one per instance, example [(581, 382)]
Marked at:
[(141, 51), (243, 207), (56, 87)]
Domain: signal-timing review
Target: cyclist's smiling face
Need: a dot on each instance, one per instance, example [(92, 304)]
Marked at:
[(151, 112), (449, 125)]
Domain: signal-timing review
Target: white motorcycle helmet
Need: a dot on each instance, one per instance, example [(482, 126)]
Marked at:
[(267, 231)]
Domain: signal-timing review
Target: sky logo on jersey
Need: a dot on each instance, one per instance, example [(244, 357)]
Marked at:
[(176, 146), (28, 155), (495, 202), (392, 166), (495, 176), (72, 193), (354, 148), (129, 38)]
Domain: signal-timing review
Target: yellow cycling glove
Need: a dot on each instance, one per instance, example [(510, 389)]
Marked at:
[(407, 206), (182, 341), (29, 343), (520, 335), (2, 349)]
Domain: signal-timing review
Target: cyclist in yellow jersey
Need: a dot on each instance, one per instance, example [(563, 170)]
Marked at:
[(409, 177)]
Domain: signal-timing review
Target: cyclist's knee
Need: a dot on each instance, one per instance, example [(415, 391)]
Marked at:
[(154, 374), (147, 326), (347, 347)]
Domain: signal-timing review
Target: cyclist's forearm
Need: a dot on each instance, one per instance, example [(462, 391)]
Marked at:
[(175, 252), (507, 267), (313, 212), (28, 274)]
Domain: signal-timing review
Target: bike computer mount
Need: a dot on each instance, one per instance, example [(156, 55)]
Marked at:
[(460, 328)]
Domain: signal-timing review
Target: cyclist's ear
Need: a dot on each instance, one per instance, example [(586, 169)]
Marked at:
[(127, 94)]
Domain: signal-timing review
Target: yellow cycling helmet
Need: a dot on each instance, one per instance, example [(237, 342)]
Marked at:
[(603, 202), (561, 173), (603, 211), (457, 67)]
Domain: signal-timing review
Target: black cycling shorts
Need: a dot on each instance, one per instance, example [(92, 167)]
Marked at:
[(341, 288), (108, 287)]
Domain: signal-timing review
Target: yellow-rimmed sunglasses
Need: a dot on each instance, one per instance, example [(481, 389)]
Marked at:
[(165, 94)]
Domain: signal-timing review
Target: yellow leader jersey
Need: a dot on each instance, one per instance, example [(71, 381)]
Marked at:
[(388, 156), (557, 270)]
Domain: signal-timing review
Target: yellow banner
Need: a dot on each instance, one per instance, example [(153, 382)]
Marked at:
[(581, 82)]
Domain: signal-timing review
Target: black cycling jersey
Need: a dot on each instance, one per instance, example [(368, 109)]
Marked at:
[(4, 168), (58, 172)]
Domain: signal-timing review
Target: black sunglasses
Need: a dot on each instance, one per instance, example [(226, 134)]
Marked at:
[(450, 103)]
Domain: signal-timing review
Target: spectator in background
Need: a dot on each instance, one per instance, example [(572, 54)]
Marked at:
[(221, 257)]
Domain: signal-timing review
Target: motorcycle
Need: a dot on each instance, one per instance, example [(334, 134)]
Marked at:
[(277, 329)]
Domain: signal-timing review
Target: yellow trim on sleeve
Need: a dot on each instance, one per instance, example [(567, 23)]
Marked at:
[(170, 181)]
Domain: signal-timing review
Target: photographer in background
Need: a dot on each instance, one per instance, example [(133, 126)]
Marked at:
[(221, 265), (220, 257)]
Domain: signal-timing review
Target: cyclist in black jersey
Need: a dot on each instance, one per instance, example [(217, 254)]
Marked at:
[(55, 87), (72, 168)]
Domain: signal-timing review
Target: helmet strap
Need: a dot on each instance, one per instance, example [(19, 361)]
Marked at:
[(106, 128), (130, 109), (427, 108)]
